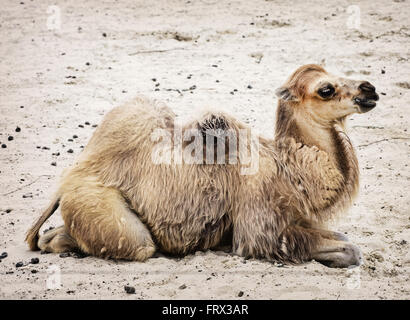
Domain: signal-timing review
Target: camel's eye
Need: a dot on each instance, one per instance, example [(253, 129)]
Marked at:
[(326, 92)]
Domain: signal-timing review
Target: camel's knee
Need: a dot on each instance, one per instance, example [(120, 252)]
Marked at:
[(57, 241)]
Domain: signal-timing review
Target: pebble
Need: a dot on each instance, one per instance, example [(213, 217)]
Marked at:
[(87, 123), (81, 126), (70, 151), (18, 129), (10, 138), (4, 146), (19, 264), (35, 260), (9, 210), (75, 136), (4, 255), (129, 290), (240, 294), (34, 271), (104, 34), (28, 195), (54, 164), (182, 287)]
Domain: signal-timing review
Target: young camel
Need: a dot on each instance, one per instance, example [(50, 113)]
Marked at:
[(116, 203)]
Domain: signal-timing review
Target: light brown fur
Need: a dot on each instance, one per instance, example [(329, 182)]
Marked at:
[(117, 203)]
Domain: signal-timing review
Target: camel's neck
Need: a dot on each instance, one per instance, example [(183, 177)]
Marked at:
[(329, 138)]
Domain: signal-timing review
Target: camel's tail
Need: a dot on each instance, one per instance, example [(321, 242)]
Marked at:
[(33, 234)]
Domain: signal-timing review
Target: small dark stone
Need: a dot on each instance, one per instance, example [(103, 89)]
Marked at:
[(21, 107), (34, 271), (19, 264), (48, 229), (71, 140), (18, 129), (249, 87), (54, 164), (153, 79), (129, 290), (4, 255), (383, 71), (9, 210), (104, 34), (75, 136), (87, 63), (28, 195), (4, 146), (182, 287), (95, 125), (87, 123), (81, 126), (34, 260), (70, 151), (46, 148), (240, 294)]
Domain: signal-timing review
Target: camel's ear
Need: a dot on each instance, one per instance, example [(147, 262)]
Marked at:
[(285, 94)]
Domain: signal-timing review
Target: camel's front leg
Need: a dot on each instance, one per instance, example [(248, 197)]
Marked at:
[(258, 235)]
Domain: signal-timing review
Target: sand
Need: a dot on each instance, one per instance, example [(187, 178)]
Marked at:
[(105, 53)]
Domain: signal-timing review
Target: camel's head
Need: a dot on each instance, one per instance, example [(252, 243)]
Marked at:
[(325, 96)]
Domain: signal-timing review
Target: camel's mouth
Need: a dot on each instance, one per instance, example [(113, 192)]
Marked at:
[(366, 104)]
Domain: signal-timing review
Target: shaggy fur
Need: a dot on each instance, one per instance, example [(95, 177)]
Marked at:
[(116, 203)]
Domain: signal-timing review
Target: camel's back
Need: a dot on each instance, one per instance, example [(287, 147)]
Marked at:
[(127, 126)]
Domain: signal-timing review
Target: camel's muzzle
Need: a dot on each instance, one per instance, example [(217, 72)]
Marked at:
[(367, 98)]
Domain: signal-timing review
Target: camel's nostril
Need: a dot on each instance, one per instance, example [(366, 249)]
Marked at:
[(367, 87)]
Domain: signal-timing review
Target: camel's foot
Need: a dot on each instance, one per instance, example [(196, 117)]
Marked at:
[(338, 254), (57, 240)]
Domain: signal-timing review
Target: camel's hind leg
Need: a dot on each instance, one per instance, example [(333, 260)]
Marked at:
[(99, 219), (57, 241)]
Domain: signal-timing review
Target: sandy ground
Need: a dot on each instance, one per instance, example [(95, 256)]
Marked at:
[(199, 52)]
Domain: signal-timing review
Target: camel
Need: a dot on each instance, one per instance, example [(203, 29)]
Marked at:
[(117, 203)]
